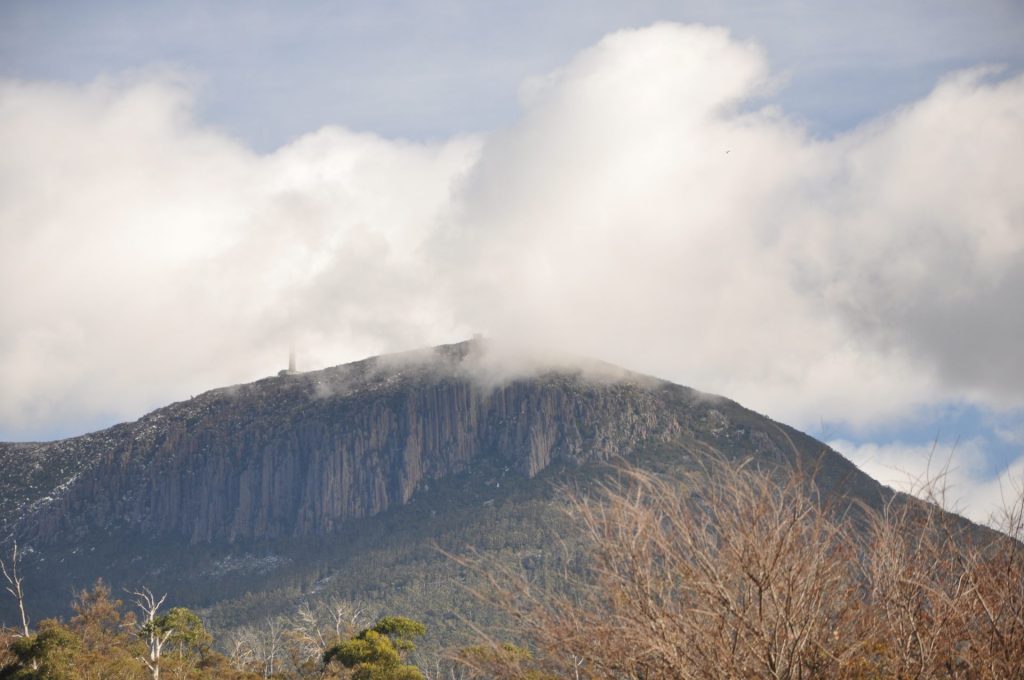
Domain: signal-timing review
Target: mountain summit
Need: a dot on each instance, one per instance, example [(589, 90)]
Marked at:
[(435, 446)]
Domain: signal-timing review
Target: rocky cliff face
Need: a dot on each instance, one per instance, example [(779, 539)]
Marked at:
[(343, 482), (297, 455)]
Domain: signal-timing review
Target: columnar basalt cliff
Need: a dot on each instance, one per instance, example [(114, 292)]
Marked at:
[(343, 482), (297, 455), (300, 454)]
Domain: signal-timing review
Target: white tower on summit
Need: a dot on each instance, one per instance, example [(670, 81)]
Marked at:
[(291, 370)]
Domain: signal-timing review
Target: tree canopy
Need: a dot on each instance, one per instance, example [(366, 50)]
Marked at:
[(377, 653)]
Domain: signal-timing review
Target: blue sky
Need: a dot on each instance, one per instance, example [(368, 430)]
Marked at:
[(188, 186), (268, 72)]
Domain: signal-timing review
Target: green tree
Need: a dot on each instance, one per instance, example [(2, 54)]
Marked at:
[(376, 653), (108, 650), (187, 641), (52, 653), (188, 634)]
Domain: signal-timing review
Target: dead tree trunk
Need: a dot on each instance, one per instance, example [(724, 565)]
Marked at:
[(14, 587), (151, 630)]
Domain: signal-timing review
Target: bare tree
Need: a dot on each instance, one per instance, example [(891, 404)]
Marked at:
[(314, 628), (15, 589), (14, 586), (733, 571), (154, 634), (260, 649), (240, 648), (270, 644), (947, 599), (294, 643)]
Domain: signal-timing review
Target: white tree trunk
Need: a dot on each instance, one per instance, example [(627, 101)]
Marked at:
[(147, 602)]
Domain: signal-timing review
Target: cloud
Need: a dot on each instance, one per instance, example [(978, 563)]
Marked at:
[(649, 207), (644, 210), (920, 242), (961, 471), (144, 257)]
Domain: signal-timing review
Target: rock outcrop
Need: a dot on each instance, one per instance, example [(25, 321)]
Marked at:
[(344, 482), (299, 454)]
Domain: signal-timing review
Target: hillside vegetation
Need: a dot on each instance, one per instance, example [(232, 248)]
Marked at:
[(724, 570)]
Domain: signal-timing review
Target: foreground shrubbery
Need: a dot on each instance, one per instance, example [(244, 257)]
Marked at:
[(722, 572), (729, 572)]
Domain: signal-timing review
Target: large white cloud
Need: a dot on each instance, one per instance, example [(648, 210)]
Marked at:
[(648, 208), (143, 257), (643, 211)]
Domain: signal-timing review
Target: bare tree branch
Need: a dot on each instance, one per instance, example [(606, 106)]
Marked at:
[(14, 586)]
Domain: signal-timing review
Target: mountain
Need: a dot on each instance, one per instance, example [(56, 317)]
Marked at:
[(344, 482)]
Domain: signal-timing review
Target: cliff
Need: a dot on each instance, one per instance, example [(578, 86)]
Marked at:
[(299, 454), (341, 483)]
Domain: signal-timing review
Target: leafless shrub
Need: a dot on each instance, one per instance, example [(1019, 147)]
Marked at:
[(733, 571), (947, 598)]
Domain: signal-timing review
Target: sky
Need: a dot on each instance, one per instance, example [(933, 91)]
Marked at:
[(814, 208)]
